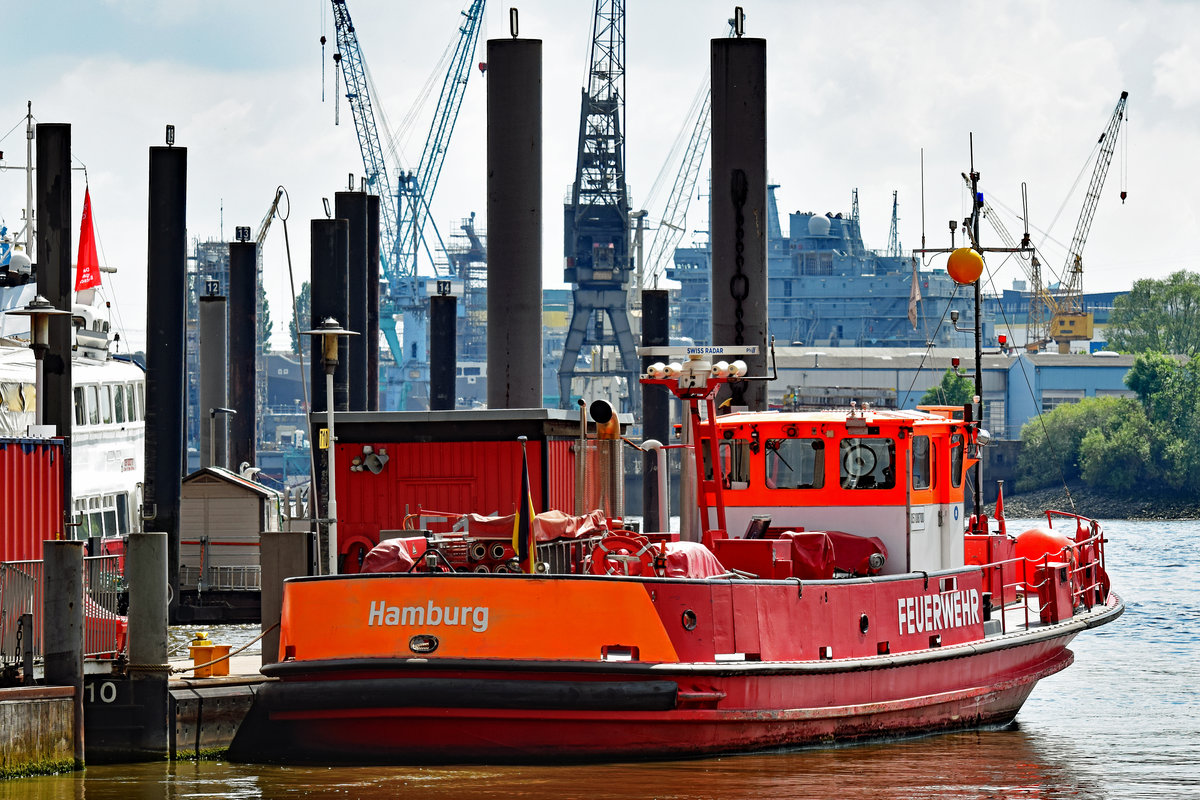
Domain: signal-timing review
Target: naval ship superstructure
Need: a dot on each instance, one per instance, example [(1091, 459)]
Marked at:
[(826, 289)]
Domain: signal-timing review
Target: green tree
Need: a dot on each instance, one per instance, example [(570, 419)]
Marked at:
[(1051, 442), (954, 390), (265, 325), (301, 323), (1169, 391), (1158, 315), (1119, 459), (1123, 446)]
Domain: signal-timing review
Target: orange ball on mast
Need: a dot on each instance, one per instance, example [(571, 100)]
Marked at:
[(965, 265)]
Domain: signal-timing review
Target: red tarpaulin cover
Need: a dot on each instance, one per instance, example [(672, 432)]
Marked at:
[(691, 560), (547, 526), (394, 555), (816, 554)]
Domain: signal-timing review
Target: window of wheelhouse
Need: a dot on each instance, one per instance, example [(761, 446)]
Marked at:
[(922, 462), (795, 463), (956, 459), (867, 463), (734, 457)]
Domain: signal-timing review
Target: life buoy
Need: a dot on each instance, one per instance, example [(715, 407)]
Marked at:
[(623, 554)]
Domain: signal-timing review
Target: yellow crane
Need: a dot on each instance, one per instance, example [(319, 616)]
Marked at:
[(1066, 321), (1071, 323)]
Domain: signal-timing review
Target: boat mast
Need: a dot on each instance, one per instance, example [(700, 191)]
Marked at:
[(976, 203), (29, 180)]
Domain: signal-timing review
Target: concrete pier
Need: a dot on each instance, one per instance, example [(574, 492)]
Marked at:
[(514, 213), (352, 207), (371, 331), (55, 280), (166, 259), (63, 628), (739, 206), (243, 352), (214, 390)]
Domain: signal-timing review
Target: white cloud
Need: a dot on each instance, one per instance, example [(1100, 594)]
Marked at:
[(1177, 76)]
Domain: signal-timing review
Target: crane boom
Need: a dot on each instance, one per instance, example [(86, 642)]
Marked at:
[(349, 57), (418, 187), (1072, 323), (1040, 300), (674, 218), (402, 225)]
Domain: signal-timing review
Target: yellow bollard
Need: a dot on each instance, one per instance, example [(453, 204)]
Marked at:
[(202, 651)]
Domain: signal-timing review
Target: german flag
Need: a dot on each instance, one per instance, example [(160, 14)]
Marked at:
[(523, 538)]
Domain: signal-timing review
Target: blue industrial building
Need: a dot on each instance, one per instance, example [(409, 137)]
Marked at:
[(1016, 386)]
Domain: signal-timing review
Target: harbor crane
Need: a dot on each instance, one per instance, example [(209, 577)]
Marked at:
[(596, 219), (404, 208), (1071, 322), (673, 224), (1067, 320)]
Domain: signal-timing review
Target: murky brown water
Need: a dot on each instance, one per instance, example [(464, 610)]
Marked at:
[(975, 765)]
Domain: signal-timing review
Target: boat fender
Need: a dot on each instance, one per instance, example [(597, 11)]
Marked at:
[(1039, 544)]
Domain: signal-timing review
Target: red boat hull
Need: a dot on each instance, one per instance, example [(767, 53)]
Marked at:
[(716, 710)]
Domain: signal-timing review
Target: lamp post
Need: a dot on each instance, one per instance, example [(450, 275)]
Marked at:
[(39, 311), (329, 330)]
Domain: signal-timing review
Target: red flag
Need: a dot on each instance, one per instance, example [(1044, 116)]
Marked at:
[(87, 265), (1000, 507), (523, 537)]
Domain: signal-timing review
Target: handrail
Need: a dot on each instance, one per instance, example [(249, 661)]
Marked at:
[(1083, 559)]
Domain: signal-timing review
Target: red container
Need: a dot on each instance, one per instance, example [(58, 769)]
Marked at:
[(31, 496)]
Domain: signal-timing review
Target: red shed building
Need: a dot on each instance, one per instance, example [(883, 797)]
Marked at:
[(397, 470)]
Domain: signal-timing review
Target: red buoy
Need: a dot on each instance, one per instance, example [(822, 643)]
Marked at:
[(1038, 544)]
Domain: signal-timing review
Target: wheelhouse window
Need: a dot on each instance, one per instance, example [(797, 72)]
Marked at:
[(956, 460), (922, 463), (735, 462), (867, 463), (795, 463)]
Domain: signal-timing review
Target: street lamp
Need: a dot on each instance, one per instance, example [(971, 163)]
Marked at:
[(39, 311), (329, 330)]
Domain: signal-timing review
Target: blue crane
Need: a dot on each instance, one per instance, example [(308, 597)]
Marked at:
[(404, 211)]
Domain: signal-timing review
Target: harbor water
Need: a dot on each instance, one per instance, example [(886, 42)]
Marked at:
[(1122, 722)]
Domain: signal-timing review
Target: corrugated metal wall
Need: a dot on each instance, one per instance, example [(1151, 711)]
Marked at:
[(457, 477), (31, 496)]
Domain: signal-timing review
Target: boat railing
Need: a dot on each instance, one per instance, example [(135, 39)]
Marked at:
[(1031, 583), (242, 577), (22, 598)]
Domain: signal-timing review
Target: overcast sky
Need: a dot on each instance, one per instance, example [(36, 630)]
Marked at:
[(856, 90)]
